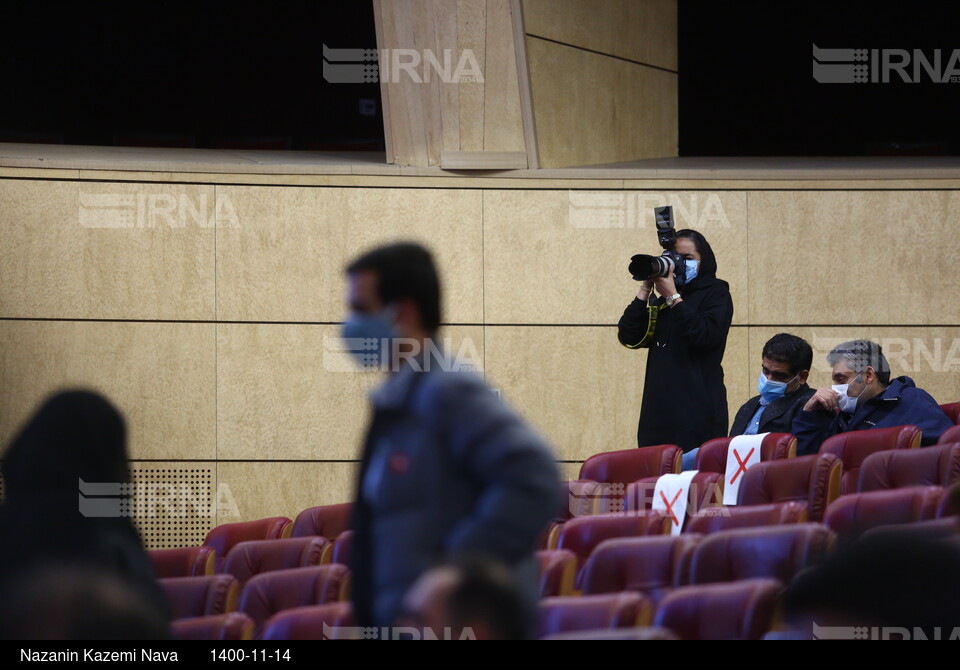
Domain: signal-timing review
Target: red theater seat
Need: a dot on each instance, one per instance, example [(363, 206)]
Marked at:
[(327, 521), (851, 515), (584, 498), (271, 592), (705, 493), (952, 410), (558, 571), (225, 536), (749, 516), (921, 530), (629, 465), (610, 610), (950, 502), (581, 535), (712, 456), (950, 436), (251, 558), (929, 466), (200, 596), (318, 622), (813, 480), (228, 627), (775, 552), (341, 548), (647, 564), (182, 562), (853, 447), (743, 610)]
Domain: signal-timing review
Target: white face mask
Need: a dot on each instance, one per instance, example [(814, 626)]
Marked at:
[(847, 404)]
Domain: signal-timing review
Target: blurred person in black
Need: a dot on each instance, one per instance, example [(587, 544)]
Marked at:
[(75, 435), (684, 398)]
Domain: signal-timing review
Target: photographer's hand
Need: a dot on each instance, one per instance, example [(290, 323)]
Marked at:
[(645, 290), (666, 286)]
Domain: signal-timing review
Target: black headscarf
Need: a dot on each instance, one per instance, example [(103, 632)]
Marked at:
[(708, 261)]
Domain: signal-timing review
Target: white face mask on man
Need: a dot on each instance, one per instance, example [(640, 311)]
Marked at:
[(847, 403)]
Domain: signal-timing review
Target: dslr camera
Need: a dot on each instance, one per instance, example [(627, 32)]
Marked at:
[(643, 267)]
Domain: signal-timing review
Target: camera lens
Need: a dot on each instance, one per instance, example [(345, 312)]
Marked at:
[(644, 267)]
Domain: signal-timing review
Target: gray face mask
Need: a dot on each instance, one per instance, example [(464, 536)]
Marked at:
[(847, 403)]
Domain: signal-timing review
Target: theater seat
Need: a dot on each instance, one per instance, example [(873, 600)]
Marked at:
[(854, 446), (643, 633), (581, 535), (200, 596), (318, 622), (919, 530), (712, 456), (182, 562), (225, 536), (271, 592), (851, 515), (813, 480), (558, 572), (614, 470), (327, 521), (930, 466), (743, 610), (341, 548), (247, 559), (228, 627), (610, 610), (949, 502), (584, 498), (950, 436), (952, 410), (705, 493), (749, 516), (647, 564), (774, 552)]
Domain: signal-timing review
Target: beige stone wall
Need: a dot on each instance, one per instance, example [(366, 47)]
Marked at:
[(215, 333)]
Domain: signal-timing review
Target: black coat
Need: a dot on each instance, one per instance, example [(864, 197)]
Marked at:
[(777, 417), (684, 399)]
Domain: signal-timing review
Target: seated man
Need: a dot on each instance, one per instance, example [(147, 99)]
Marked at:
[(864, 396), (785, 365)]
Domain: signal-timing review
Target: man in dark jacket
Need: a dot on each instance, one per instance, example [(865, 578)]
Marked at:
[(447, 469), (863, 397)]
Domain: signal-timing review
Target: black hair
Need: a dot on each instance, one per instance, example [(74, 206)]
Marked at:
[(795, 351), (405, 270), (708, 261), (486, 591)]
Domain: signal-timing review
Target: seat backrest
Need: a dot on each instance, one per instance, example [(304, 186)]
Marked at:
[(934, 529), (854, 446), (223, 537), (341, 548), (712, 456), (251, 558), (776, 552), (647, 564), (271, 592), (316, 622), (949, 502), (609, 610), (851, 515), (950, 436), (182, 562), (749, 516), (558, 572), (325, 520), (585, 497), (705, 492), (629, 465), (743, 610), (582, 535), (930, 466), (952, 410), (200, 596), (229, 626), (814, 480)]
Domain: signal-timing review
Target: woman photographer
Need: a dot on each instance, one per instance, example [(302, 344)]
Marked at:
[(684, 399)]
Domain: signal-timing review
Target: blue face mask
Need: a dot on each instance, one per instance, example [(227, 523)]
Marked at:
[(770, 390), (368, 337), (691, 270)]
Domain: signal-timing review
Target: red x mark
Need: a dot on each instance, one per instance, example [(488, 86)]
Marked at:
[(743, 463), (670, 506)]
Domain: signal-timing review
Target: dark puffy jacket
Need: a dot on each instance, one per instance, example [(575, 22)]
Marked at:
[(447, 469), (900, 404)]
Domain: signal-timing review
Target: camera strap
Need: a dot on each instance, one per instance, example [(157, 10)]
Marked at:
[(654, 311)]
